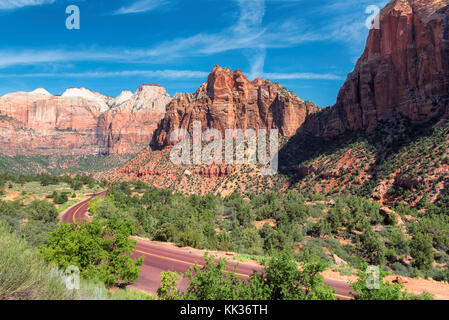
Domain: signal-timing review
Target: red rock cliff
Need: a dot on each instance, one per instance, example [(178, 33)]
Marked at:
[(228, 100), (79, 122), (403, 70)]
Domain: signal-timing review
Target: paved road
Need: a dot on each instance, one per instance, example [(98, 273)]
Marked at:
[(161, 257)]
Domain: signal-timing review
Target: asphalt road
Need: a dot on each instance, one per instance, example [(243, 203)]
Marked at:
[(160, 257)]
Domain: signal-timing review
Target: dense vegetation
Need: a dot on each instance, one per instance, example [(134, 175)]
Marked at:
[(358, 231), (279, 230), (57, 165), (280, 280), (35, 218), (35, 250)]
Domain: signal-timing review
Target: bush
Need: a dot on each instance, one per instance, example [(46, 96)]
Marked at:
[(42, 211), (421, 250), (100, 250), (281, 279), (386, 290), (23, 273), (285, 281), (60, 198)]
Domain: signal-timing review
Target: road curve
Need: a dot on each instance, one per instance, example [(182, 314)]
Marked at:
[(160, 257)]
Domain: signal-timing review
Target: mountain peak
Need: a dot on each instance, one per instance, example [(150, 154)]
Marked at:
[(83, 93), (41, 91)]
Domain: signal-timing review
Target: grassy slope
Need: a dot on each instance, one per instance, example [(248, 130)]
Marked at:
[(35, 191)]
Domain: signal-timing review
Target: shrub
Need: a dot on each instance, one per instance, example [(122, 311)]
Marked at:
[(386, 290), (42, 211), (99, 250), (23, 273), (421, 250)]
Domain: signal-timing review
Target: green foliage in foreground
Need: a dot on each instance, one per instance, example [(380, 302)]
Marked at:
[(23, 272), (386, 290), (32, 222), (25, 275), (101, 250), (281, 279), (129, 294)]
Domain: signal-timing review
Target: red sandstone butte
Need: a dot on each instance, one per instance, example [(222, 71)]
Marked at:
[(228, 100)]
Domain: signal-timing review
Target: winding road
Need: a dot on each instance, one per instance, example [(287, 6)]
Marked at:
[(160, 257)]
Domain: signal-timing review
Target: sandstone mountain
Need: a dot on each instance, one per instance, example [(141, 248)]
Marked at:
[(387, 137), (403, 71), (228, 100), (128, 126), (79, 122)]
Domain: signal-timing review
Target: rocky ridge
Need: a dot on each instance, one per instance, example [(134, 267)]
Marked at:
[(79, 122), (228, 100)]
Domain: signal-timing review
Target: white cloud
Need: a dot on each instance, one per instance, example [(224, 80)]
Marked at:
[(166, 74), (14, 4), (161, 74), (141, 6), (248, 34), (31, 57)]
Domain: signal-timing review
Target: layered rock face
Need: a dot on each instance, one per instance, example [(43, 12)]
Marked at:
[(129, 125), (79, 122), (404, 70), (228, 100)]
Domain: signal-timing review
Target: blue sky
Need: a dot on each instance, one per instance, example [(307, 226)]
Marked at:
[(309, 46)]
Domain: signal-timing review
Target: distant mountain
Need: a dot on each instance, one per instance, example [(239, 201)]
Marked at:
[(80, 122), (228, 100)]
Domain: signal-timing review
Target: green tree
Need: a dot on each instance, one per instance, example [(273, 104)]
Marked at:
[(168, 289), (386, 290), (286, 281), (371, 247), (212, 282), (60, 198), (99, 249), (421, 250), (281, 279), (42, 211)]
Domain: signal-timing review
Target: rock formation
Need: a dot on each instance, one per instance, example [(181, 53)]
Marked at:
[(404, 70), (79, 122), (228, 100), (129, 125)]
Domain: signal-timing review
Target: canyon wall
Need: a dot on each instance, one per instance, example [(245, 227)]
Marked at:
[(79, 122), (404, 71)]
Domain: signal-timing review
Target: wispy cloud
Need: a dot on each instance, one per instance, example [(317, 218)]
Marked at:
[(349, 22), (249, 34), (141, 6), (32, 57), (14, 4), (160, 74), (166, 74)]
